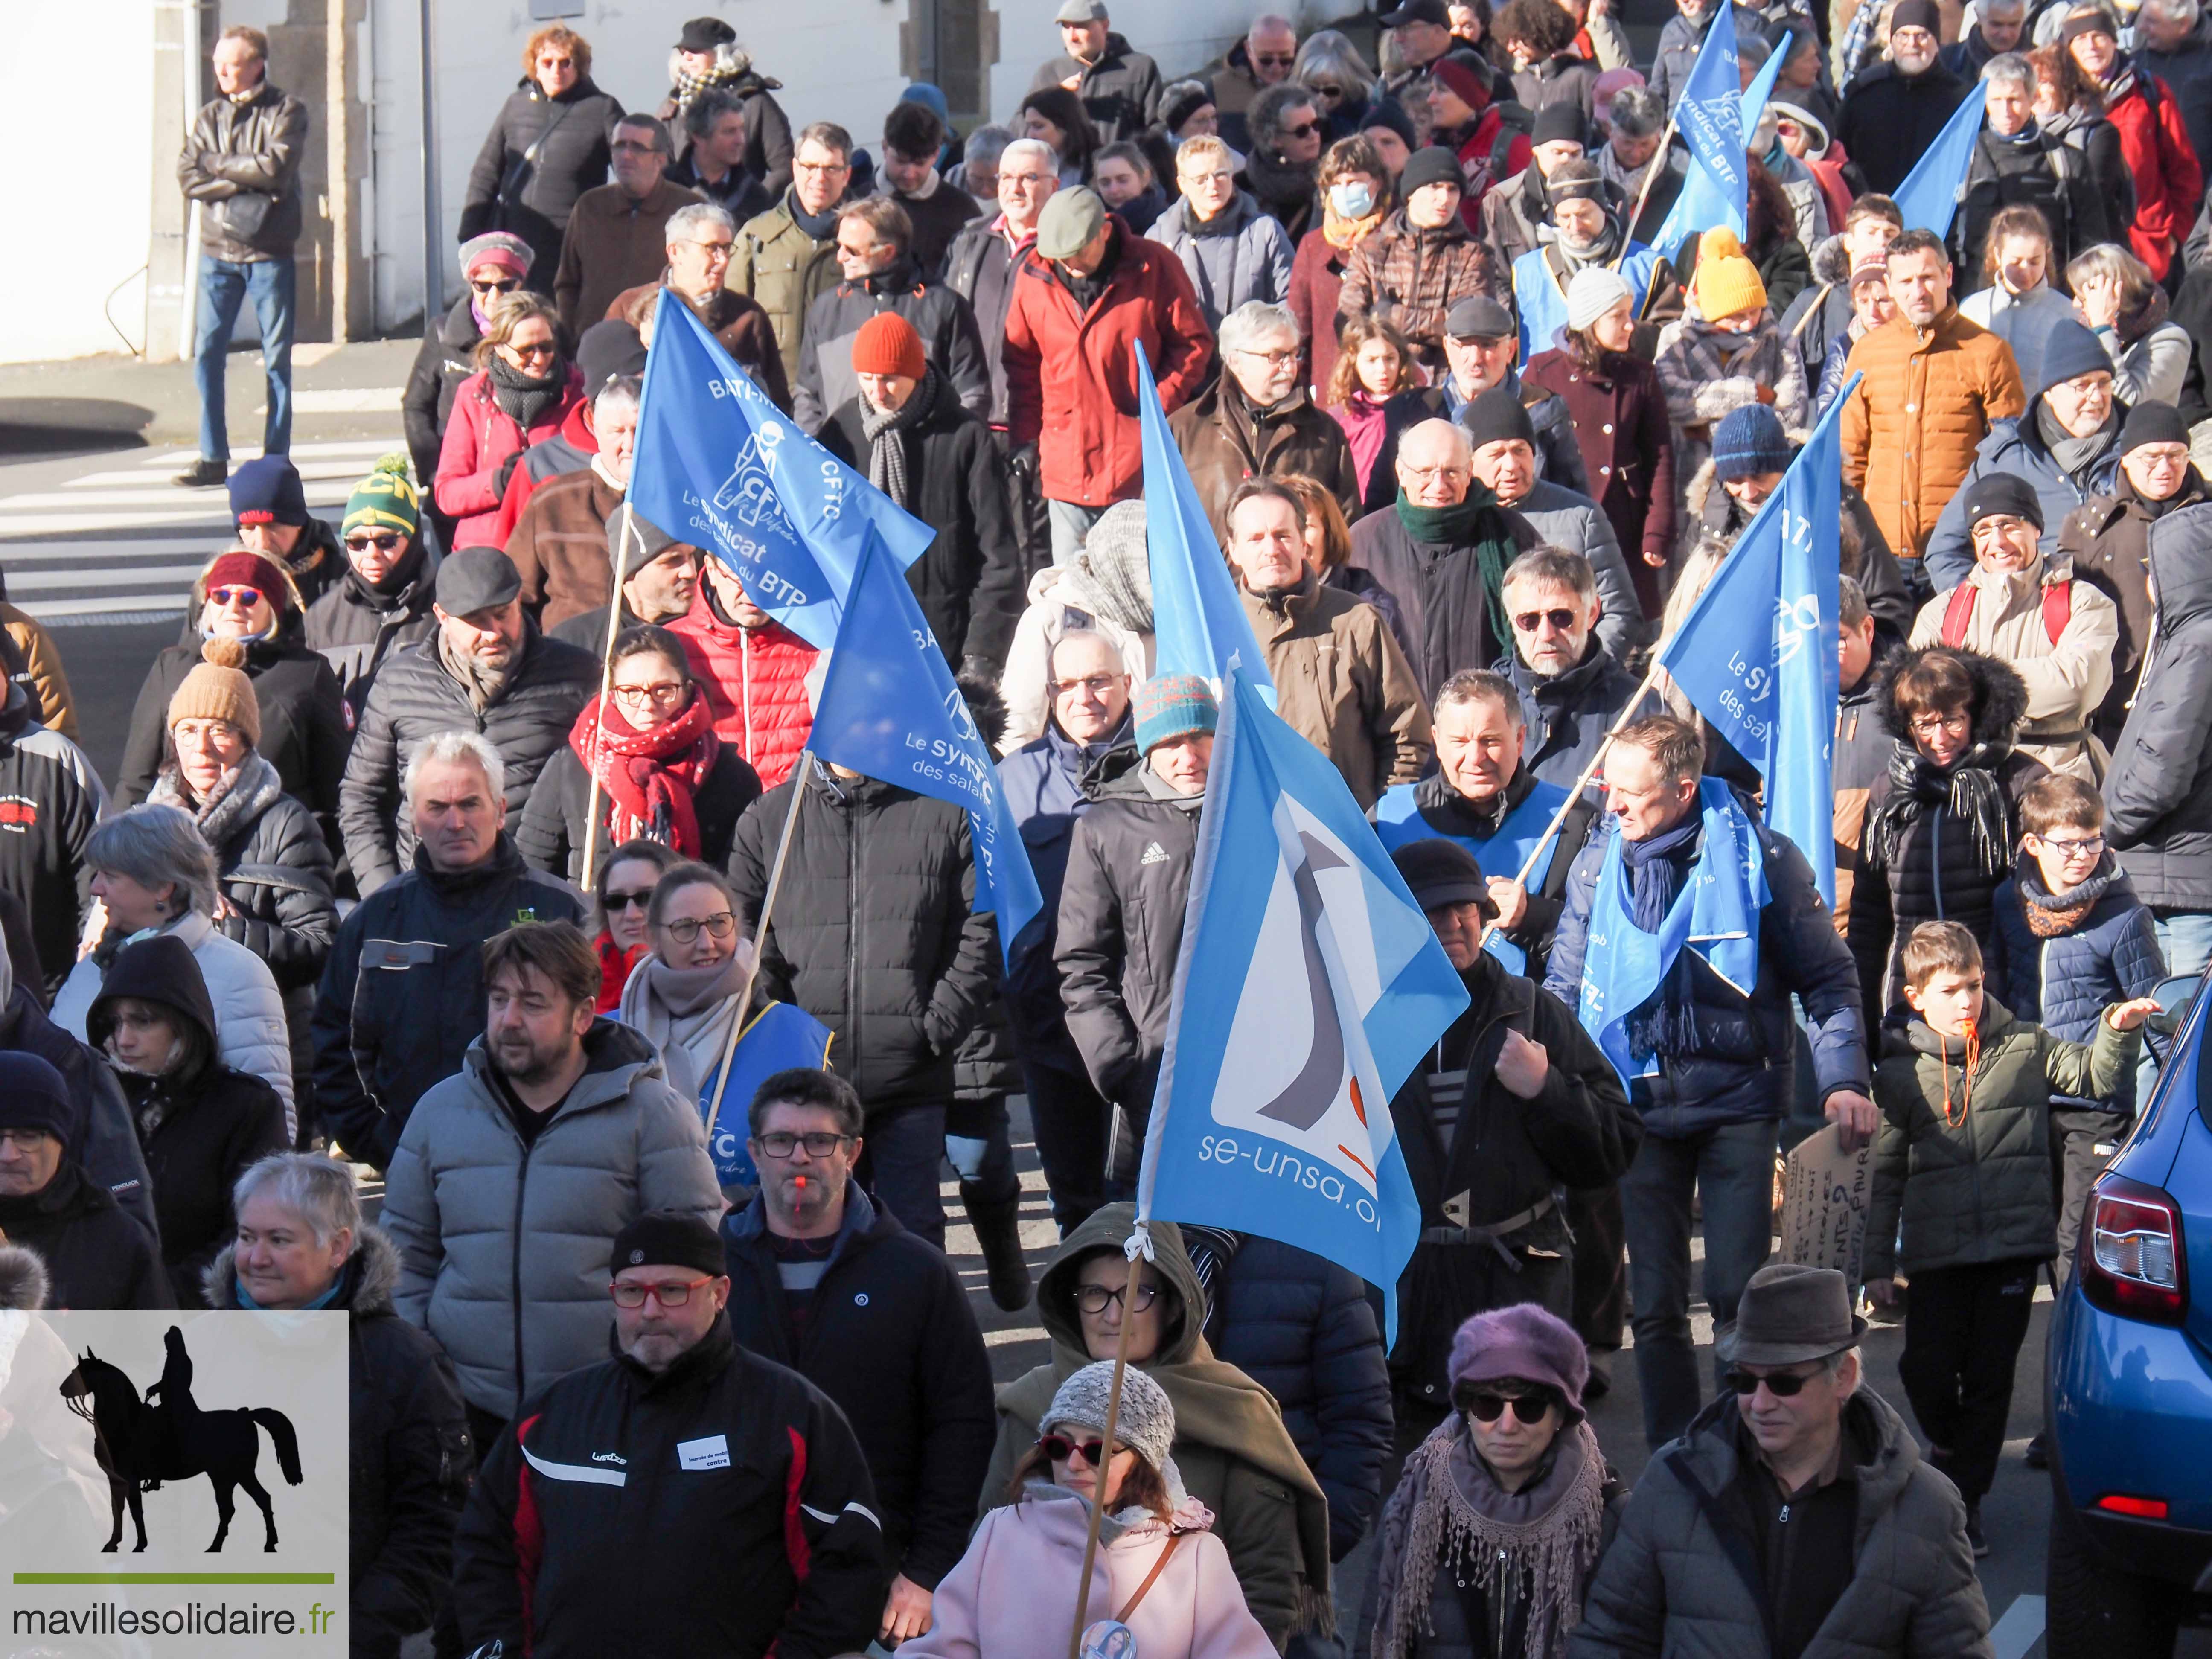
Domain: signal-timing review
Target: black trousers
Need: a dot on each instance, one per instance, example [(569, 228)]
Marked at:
[(1601, 1275), (2076, 1164), (1070, 1121), (1963, 1330)]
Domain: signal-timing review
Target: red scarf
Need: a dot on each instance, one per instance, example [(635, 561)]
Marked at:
[(615, 963), (650, 777)]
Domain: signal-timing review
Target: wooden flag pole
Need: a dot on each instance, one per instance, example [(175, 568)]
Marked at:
[(798, 777), (606, 685), (1106, 1458)]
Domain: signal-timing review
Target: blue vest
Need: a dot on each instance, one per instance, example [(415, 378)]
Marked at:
[(1542, 302), (1398, 821), (776, 1039), (1716, 914)]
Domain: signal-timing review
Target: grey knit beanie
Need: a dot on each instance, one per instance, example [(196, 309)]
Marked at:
[(1114, 572), (1145, 1423)]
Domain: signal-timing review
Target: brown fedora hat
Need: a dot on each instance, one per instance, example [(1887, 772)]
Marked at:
[(1790, 1314)]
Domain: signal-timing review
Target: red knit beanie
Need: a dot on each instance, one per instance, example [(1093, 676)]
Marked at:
[(239, 568), (887, 344)]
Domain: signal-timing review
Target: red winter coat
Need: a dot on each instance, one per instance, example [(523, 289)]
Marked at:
[(756, 681), (1081, 366), (2169, 178), (575, 432), (479, 436), (1317, 279), (1485, 169)]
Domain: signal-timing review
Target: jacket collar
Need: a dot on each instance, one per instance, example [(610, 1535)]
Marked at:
[(616, 1057), (862, 1225), (702, 1362)]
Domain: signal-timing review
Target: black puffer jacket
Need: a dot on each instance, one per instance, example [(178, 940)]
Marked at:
[(200, 1129), (275, 868), (1439, 591), (1303, 1328), (2158, 794), (407, 1439), (356, 627), (403, 995), (447, 358), (875, 932), (304, 730), (413, 697), (532, 195), (825, 380), (554, 825), (108, 1146), (1120, 926), (969, 582), (1506, 1157), (96, 1258), (1934, 870)]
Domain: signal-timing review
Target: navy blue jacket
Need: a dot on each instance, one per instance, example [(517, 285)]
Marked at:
[(2064, 983), (1567, 717), (1303, 1328), (1043, 784), (1743, 1068), (2016, 446)]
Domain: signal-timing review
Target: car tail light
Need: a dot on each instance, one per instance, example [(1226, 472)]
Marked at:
[(2131, 1257), (2137, 1508)]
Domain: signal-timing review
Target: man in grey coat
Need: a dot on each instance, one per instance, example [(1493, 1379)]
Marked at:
[(514, 1176), (1796, 1515)]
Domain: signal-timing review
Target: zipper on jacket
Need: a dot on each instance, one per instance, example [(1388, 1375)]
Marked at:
[(745, 688), (853, 928), (1935, 859), (521, 1184)]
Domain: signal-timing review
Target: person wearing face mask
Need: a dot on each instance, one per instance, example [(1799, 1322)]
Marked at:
[(1486, 1548), (382, 603), (246, 598), (1893, 111), (1356, 198), (1942, 824), (2062, 445), (2108, 538), (2016, 162), (201, 1123)]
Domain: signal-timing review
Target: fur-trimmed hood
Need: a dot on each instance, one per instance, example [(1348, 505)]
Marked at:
[(368, 1281), (1832, 260), (2000, 695), (23, 1280)]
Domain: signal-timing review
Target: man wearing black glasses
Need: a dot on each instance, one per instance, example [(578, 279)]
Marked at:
[(685, 1496), (823, 1281), (1571, 686), (1798, 1503)]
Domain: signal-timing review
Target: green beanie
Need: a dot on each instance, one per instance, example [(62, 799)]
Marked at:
[(385, 499)]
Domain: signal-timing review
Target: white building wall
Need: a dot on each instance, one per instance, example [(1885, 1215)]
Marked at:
[(83, 200)]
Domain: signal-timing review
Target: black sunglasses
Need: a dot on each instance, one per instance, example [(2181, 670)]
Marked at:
[(1782, 1385), (506, 286), (1528, 622), (1057, 1448), (1304, 129), (1489, 1407)]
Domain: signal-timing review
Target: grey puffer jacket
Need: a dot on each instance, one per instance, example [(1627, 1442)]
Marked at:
[(1247, 259), (1677, 1577), (242, 163), (2159, 791), (466, 1194)]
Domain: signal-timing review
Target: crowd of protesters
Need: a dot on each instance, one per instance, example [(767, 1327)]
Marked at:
[(444, 836)]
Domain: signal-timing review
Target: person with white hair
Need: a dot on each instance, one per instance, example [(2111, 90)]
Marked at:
[(403, 995), (707, 58), (559, 544), (154, 874), (701, 241), (302, 1244)]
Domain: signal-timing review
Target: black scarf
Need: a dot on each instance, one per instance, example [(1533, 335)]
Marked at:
[(886, 435), (1968, 789), (822, 226), (522, 398), (2191, 492)]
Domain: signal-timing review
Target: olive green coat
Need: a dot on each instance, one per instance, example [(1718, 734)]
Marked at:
[(784, 270)]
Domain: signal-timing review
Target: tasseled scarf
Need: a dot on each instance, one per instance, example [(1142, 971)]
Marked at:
[(1532, 1548), (1968, 789)]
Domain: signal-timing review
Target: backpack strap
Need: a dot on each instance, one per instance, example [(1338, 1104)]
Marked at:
[(2058, 608), (1958, 614)]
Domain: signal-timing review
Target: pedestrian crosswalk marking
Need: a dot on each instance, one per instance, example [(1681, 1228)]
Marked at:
[(2020, 1628)]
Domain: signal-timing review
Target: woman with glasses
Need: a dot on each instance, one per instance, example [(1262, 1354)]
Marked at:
[(382, 603), (1330, 68), (1163, 1586), (492, 265), (248, 600), (547, 146), (663, 775), (621, 898), (1487, 1546), (1228, 1439), (522, 391)]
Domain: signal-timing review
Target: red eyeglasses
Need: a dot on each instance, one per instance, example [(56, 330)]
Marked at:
[(1059, 1448), (244, 598)]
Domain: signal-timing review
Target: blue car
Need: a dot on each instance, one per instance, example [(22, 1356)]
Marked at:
[(2128, 1378)]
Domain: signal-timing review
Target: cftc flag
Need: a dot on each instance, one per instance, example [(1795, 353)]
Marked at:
[(1929, 197), (1310, 984), (1757, 653), (720, 466), (1710, 118), (1198, 622), (890, 710), (1703, 203)]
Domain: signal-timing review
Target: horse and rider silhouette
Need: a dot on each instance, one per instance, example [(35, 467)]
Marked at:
[(139, 1445)]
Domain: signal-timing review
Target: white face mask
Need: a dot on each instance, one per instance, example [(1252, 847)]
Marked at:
[(1354, 200)]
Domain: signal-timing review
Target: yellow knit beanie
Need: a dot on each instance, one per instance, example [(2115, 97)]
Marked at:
[(1726, 281), (218, 688)]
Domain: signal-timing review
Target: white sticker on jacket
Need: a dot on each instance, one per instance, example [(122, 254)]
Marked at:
[(711, 1452)]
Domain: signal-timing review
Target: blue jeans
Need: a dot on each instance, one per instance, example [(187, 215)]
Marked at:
[(2186, 938), (1732, 1168), (1070, 522), (223, 289), (902, 1151)]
